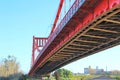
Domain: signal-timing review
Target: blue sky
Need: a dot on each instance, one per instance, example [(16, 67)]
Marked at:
[(21, 19)]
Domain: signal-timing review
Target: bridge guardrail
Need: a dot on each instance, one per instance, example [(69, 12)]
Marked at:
[(76, 5)]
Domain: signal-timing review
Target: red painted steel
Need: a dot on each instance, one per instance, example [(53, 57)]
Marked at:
[(71, 24), (37, 43), (57, 16)]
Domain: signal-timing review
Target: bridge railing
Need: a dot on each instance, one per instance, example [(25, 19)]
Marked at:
[(65, 20), (76, 5)]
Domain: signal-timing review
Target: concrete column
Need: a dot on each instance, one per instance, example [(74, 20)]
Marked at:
[(41, 78), (48, 77)]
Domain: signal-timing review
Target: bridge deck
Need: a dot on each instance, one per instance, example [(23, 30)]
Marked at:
[(90, 30)]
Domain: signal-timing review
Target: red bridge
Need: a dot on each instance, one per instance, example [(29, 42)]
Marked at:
[(88, 27)]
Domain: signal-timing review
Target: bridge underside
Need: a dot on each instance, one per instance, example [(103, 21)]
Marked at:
[(100, 34)]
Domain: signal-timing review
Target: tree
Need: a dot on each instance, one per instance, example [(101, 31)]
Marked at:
[(23, 77), (9, 67), (61, 74)]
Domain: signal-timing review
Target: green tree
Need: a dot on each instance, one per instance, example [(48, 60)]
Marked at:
[(63, 74), (23, 77)]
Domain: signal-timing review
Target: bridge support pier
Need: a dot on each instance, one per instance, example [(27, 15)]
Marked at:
[(41, 78), (49, 77), (46, 77)]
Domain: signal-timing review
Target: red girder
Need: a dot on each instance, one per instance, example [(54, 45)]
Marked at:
[(57, 15), (90, 10)]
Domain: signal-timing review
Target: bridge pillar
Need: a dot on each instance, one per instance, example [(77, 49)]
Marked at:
[(49, 77), (42, 78)]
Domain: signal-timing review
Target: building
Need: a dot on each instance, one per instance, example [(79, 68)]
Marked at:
[(89, 70), (86, 70)]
